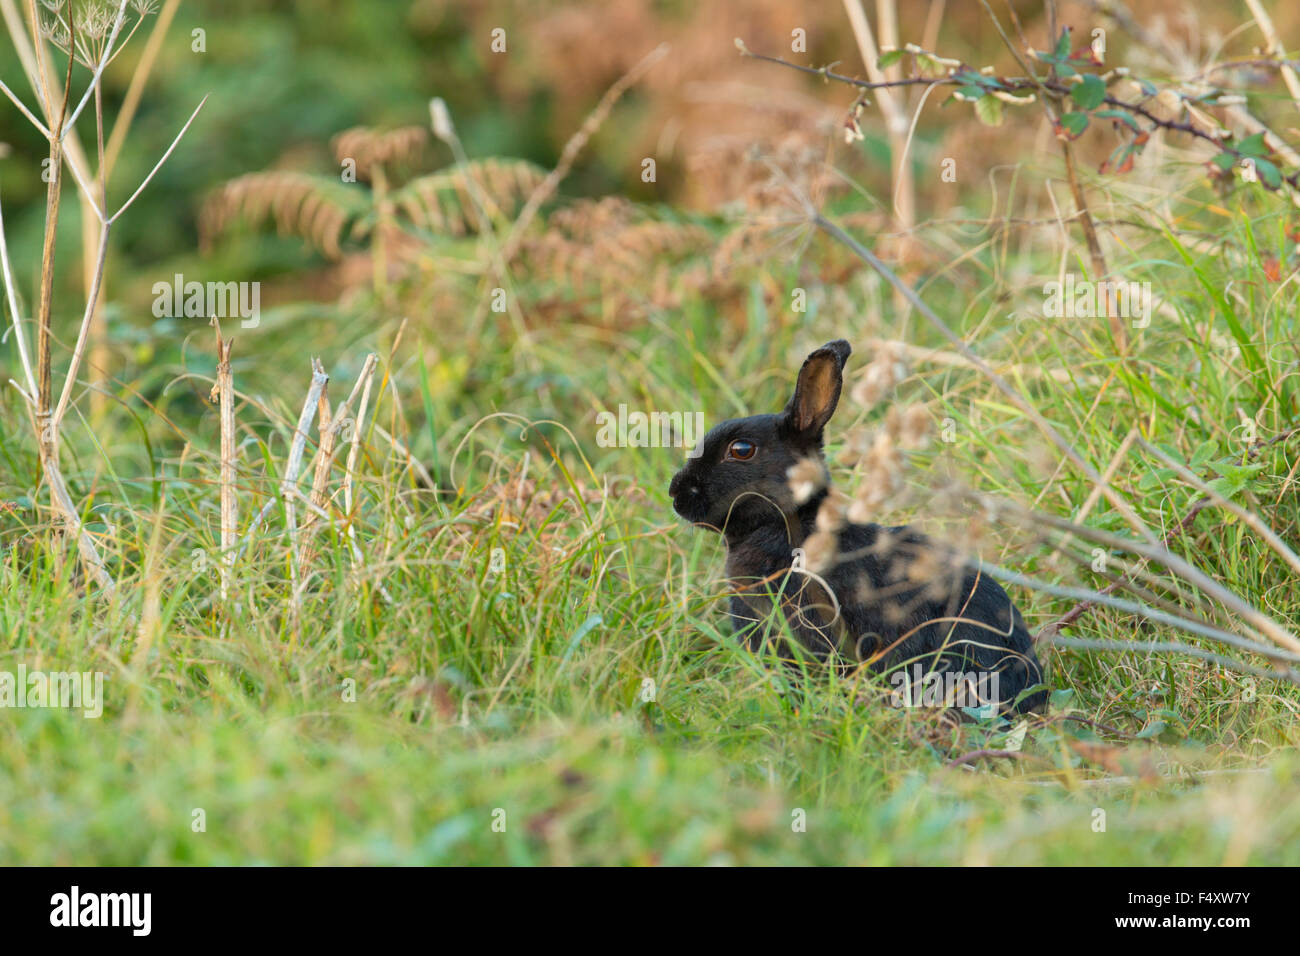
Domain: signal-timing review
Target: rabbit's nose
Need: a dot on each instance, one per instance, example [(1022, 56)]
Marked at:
[(682, 485)]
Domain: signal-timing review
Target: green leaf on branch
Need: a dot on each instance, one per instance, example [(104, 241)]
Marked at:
[(1253, 146), (1071, 125), (1234, 478), (1120, 117), (989, 110), (1090, 93), (889, 58), (1268, 173), (1224, 161), (1063, 45)]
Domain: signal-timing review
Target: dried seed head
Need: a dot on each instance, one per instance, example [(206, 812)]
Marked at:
[(1167, 106), (831, 514), (893, 422), (926, 564), (819, 551), (852, 130), (880, 377), (894, 612), (940, 588), (882, 476), (857, 443), (867, 592), (915, 428), (441, 120), (807, 477)]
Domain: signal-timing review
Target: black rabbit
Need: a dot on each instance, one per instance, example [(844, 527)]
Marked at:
[(899, 601)]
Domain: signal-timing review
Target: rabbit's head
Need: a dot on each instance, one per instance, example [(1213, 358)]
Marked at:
[(738, 479)]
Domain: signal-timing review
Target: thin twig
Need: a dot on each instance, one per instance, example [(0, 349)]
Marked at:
[(1172, 647), (157, 166), (1133, 607), (14, 315), (1249, 518), (1181, 527), (546, 188)]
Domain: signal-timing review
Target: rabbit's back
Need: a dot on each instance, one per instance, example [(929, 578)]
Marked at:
[(902, 604)]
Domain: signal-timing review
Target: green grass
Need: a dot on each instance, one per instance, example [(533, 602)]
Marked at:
[(589, 695)]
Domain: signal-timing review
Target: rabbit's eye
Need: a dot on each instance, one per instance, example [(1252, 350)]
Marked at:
[(741, 450)]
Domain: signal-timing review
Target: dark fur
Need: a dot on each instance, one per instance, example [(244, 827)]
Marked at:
[(885, 616)]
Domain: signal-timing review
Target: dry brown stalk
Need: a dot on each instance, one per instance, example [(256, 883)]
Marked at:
[(59, 131), (896, 123), (225, 392), (288, 486), (330, 428)]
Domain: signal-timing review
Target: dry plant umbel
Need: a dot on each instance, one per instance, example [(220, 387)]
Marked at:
[(90, 36)]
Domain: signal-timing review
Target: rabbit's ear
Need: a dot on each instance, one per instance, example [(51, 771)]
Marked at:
[(818, 390)]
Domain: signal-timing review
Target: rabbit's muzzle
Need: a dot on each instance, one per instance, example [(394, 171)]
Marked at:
[(688, 497)]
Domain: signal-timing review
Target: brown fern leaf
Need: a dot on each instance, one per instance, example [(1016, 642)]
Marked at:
[(612, 245), (447, 202), (314, 208), (369, 148)]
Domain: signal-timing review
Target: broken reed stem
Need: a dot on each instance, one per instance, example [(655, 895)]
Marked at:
[(225, 389), (294, 465), (330, 428), (288, 484), (349, 473), (320, 476), (325, 450), (296, 450), (354, 449)]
